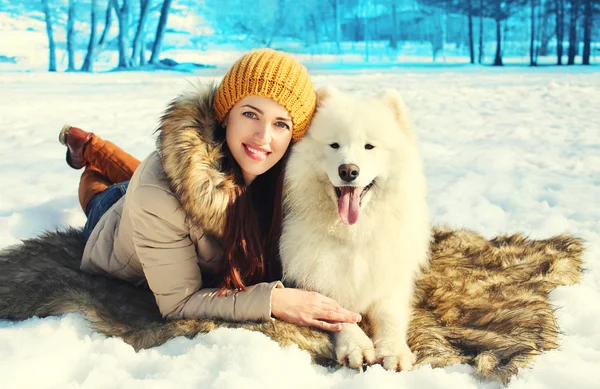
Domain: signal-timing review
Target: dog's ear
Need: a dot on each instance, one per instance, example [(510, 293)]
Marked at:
[(325, 92), (394, 101)]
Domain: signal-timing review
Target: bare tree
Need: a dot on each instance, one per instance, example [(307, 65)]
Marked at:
[(560, 29), (545, 32), (392, 7), (70, 34), (107, 24), (365, 8), (160, 30), (573, 41), (470, 22), (122, 12), (143, 52), (89, 57), (314, 27), (532, 51), (138, 42), (500, 10), (51, 44), (481, 56), (588, 21), (338, 24), (498, 56)]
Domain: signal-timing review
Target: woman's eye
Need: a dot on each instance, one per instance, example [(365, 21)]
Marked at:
[(335, 145), (369, 146), (251, 115), (282, 125)]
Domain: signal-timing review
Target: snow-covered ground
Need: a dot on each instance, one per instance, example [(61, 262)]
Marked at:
[(506, 150)]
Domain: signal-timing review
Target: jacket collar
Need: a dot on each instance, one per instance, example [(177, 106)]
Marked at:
[(193, 160)]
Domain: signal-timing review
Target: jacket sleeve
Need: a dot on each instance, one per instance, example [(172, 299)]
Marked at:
[(170, 264)]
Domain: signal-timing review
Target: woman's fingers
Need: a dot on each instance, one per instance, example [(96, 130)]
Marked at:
[(351, 317), (325, 326), (340, 315), (332, 311)]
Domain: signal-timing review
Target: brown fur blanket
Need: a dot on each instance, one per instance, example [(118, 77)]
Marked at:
[(481, 302)]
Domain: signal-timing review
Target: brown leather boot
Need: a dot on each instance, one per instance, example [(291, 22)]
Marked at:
[(75, 139)]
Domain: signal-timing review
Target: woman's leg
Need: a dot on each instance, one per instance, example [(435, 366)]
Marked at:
[(92, 182), (106, 163), (87, 149), (109, 159), (101, 202)]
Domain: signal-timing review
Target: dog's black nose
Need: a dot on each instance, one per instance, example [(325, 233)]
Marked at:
[(348, 172)]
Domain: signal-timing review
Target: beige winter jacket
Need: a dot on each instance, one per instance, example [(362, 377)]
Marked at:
[(165, 229)]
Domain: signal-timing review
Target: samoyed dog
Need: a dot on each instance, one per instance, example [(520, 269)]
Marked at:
[(356, 225)]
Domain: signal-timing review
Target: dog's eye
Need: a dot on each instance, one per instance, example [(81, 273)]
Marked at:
[(369, 146), (334, 145)]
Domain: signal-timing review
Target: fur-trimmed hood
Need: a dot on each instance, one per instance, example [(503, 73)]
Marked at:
[(193, 160)]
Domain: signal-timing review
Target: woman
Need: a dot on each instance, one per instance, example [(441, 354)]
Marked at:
[(199, 220)]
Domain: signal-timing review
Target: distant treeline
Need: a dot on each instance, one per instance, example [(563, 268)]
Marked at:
[(130, 46), (542, 27)]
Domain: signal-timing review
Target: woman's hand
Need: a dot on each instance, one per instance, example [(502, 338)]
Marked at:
[(306, 308)]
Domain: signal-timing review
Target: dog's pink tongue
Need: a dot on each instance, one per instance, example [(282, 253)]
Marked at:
[(349, 204)]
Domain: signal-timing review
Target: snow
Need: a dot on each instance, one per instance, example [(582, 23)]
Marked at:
[(512, 150)]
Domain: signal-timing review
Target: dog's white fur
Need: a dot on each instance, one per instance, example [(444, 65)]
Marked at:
[(368, 267)]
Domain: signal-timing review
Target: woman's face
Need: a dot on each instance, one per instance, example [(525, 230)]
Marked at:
[(258, 133)]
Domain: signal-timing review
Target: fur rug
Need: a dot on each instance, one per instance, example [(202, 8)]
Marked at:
[(484, 303)]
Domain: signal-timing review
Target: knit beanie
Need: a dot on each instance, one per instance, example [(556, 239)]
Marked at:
[(274, 75)]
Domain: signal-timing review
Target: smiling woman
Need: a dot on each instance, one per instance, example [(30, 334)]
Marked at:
[(259, 131), (199, 220)]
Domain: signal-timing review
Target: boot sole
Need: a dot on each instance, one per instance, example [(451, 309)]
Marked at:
[(62, 136)]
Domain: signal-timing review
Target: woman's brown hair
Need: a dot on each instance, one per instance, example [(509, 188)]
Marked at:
[(253, 228)]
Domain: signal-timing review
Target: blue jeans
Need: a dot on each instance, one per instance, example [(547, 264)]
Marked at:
[(100, 203)]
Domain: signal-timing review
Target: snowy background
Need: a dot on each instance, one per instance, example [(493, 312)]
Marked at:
[(506, 150), (324, 33)]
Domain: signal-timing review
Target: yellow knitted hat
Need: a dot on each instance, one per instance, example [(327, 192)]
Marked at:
[(274, 75)]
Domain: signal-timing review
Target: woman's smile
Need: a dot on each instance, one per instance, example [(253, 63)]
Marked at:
[(255, 152)]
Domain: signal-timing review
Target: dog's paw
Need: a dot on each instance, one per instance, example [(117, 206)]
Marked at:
[(354, 349), (394, 357)]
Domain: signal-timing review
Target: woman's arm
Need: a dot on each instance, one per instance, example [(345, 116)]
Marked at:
[(170, 264)]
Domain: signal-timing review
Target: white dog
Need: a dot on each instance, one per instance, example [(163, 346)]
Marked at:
[(356, 225)]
